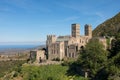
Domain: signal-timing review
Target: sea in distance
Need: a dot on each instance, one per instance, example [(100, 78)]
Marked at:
[(3, 47), (14, 49), (6, 46)]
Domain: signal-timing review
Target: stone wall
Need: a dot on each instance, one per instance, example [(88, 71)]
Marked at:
[(40, 55)]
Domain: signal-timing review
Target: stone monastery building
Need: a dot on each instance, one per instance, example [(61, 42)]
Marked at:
[(68, 46)]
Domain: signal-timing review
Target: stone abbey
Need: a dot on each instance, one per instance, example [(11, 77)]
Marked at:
[(68, 46)]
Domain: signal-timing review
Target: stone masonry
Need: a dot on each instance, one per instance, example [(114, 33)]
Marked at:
[(68, 46)]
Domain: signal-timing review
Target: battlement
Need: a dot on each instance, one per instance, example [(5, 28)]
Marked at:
[(51, 39), (51, 35)]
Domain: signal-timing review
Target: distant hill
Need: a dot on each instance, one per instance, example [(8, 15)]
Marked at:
[(110, 27)]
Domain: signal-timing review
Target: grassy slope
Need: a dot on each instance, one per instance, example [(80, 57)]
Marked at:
[(48, 72), (8, 66), (15, 71), (109, 27)]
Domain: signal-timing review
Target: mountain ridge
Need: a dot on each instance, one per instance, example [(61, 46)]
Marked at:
[(109, 27)]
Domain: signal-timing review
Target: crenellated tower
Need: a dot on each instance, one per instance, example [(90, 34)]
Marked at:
[(51, 39), (75, 30), (88, 30)]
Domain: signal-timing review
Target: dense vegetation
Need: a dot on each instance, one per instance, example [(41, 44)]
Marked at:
[(98, 63), (45, 72), (93, 57), (108, 28), (8, 66), (48, 72)]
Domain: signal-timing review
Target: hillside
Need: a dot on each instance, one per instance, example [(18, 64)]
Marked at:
[(44, 72), (110, 27), (8, 66)]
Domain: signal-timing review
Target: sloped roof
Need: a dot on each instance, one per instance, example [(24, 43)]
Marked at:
[(63, 38)]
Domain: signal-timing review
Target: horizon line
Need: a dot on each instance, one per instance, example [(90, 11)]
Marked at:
[(23, 42)]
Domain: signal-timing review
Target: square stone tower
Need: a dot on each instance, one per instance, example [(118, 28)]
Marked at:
[(75, 30), (88, 30)]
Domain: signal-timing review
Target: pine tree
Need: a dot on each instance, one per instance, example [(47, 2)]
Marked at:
[(93, 57)]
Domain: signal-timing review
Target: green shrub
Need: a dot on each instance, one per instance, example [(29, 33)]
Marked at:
[(56, 59), (8, 66), (46, 72)]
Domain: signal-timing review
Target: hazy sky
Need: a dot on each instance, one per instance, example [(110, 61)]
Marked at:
[(31, 20)]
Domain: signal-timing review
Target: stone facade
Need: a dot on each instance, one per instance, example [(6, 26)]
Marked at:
[(40, 55), (68, 46), (37, 55)]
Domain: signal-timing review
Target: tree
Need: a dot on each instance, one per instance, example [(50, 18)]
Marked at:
[(113, 68), (93, 57), (115, 46)]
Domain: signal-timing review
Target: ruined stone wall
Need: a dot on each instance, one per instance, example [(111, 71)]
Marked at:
[(40, 54)]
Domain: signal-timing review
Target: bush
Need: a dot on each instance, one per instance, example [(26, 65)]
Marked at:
[(68, 62), (46, 72), (8, 66), (15, 74), (49, 78), (56, 59), (65, 63)]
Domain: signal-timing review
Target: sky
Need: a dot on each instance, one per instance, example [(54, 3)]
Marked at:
[(29, 21)]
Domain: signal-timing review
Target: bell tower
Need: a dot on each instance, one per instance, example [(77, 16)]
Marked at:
[(88, 30), (75, 30)]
